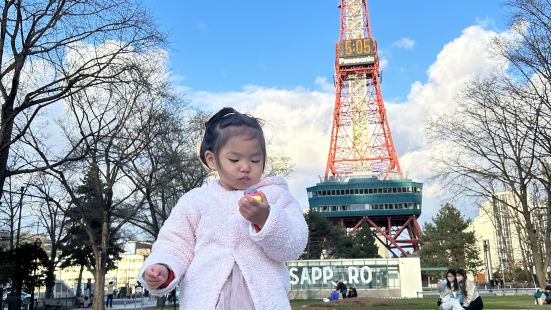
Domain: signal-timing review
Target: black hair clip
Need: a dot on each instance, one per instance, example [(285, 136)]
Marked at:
[(219, 115)]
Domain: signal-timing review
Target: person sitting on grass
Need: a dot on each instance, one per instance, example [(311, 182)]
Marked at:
[(538, 300), (334, 295), (547, 294), (450, 294), (352, 292), (471, 299), (342, 288)]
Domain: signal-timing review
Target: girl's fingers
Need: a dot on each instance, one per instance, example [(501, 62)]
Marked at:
[(244, 211), (264, 199), (151, 273), (153, 276)]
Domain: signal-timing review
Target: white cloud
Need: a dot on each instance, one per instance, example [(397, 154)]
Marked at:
[(405, 43), (298, 120), (383, 63), (459, 62), (325, 86)]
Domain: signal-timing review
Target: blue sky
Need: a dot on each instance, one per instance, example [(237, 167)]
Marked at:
[(225, 45), (275, 59)]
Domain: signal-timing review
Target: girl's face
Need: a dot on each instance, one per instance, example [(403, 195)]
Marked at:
[(460, 278), (240, 163), (450, 277)]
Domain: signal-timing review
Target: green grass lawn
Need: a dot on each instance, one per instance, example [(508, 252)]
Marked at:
[(490, 302)]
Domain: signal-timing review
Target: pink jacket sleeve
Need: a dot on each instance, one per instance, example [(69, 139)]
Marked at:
[(175, 244), (285, 232)]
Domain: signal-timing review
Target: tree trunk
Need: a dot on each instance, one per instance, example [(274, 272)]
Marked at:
[(101, 263), (536, 249), (79, 283), (99, 277), (5, 139), (50, 279)]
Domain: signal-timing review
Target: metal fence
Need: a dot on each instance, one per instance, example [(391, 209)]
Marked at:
[(486, 292)]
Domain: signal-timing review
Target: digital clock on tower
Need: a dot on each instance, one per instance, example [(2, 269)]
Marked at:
[(356, 52)]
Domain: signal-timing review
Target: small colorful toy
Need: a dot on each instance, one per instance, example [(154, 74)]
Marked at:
[(254, 193)]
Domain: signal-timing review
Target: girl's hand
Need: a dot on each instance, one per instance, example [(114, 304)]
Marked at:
[(155, 275), (254, 211)]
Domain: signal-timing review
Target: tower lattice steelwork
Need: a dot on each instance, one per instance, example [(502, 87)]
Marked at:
[(363, 180)]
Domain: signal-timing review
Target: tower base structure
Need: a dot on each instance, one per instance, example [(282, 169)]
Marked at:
[(390, 207)]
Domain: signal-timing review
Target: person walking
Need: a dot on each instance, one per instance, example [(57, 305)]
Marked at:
[(109, 301)]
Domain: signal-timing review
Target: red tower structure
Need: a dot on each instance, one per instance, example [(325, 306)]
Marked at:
[(361, 141), (363, 180)]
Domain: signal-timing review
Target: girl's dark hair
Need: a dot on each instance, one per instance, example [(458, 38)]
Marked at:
[(228, 123), (463, 273), (448, 283)]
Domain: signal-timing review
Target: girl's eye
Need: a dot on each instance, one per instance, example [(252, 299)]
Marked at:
[(234, 160), (255, 161)]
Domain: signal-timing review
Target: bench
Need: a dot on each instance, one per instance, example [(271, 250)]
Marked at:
[(52, 304)]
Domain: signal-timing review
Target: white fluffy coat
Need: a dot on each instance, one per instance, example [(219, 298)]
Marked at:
[(205, 235)]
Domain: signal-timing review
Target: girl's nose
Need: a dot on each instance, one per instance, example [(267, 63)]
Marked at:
[(245, 167)]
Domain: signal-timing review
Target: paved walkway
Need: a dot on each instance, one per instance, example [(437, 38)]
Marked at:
[(132, 304)]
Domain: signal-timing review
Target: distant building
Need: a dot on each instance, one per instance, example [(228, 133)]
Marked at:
[(499, 230), (125, 273)]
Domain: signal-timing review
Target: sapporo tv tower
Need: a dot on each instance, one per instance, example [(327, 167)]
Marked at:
[(363, 185)]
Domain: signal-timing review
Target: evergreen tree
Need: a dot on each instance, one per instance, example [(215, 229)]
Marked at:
[(319, 232), (22, 268), (335, 241), (445, 243), (76, 249), (365, 243)]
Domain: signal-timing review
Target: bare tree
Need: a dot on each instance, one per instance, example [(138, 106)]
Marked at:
[(50, 206), (169, 166), (491, 149), (12, 215), (502, 131), (53, 50), (528, 50), (105, 124)]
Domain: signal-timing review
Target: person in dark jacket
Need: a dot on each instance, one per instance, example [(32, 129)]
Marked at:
[(352, 292), (341, 287)]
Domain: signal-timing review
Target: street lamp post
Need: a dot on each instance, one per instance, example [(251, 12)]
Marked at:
[(487, 260), (1, 295), (37, 244)]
